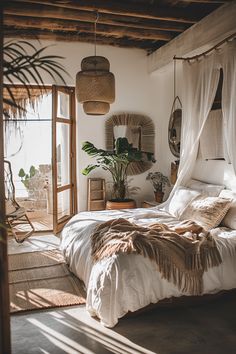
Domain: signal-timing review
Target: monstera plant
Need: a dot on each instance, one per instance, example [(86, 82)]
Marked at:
[(116, 162)]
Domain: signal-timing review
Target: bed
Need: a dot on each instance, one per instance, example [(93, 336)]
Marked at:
[(124, 282)]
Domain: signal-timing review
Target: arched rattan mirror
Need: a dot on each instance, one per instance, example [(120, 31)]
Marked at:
[(174, 131), (138, 129)]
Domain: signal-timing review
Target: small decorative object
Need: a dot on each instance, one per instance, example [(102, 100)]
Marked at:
[(174, 171), (159, 182), (116, 162), (95, 84)]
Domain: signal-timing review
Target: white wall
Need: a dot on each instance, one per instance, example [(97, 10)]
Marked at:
[(134, 93), (162, 83)]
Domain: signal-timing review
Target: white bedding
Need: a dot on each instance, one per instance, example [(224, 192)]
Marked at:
[(123, 283)]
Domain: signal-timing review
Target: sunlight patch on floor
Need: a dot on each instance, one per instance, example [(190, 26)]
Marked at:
[(60, 340), (33, 243)]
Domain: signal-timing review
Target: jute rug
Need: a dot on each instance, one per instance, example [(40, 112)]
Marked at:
[(40, 280)]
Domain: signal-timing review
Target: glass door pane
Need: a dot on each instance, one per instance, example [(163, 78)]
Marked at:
[(63, 153), (64, 204), (63, 105), (64, 180), (28, 147)]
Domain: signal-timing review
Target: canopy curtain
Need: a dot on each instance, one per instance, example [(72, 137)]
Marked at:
[(199, 85), (228, 63), (200, 80)]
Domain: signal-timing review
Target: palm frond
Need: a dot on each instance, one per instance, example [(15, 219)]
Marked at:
[(24, 63)]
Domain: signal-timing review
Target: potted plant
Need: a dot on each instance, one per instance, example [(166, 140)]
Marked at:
[(159, 182), (116, 162)]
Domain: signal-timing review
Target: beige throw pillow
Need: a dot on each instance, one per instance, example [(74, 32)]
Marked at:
[(206, 211), (230, 218)]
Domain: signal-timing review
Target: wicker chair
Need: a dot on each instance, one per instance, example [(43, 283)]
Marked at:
[(16, 217)]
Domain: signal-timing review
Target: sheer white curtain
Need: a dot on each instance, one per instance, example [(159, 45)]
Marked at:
[(199, 85), (200, 80), (228, 101)]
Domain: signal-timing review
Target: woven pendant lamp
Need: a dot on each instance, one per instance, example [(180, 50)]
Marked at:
[(95, 84)]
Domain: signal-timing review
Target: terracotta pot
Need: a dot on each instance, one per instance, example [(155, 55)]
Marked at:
[(124, 204), (159, 196)]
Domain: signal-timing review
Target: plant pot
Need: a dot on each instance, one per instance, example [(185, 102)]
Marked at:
[(123, 204), (159, 196)]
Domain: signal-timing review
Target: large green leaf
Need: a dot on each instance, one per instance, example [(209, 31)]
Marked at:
[(88, 169)]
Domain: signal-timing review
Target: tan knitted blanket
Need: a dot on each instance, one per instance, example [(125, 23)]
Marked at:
[(181, 254)]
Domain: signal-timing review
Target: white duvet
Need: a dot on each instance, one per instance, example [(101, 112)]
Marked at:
[(123, 283)]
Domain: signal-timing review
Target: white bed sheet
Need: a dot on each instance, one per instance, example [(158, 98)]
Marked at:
[(123, 283)]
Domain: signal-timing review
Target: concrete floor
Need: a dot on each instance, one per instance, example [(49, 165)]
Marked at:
[(208, 328)]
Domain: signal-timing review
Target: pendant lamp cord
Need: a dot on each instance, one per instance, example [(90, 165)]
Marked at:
[(95, 33)]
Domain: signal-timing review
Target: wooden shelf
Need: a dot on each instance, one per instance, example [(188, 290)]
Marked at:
[(96, 194)]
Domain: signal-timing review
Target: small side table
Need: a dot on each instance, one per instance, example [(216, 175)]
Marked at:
[(149, 203)]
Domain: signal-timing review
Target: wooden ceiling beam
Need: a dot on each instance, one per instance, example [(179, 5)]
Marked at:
[(207, 1), (114, 7), (78, 26), (80, 37), (43, 11)]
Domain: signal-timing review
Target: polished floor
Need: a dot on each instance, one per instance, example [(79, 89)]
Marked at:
[(208, 328)]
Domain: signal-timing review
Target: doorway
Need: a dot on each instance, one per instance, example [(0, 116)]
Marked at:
[(41, 155)]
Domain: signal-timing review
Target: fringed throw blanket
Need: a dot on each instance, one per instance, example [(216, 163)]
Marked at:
[(181, 254)]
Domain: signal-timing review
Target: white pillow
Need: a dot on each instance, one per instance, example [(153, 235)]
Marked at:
[(211, 190), (181, 198), (230, 218)]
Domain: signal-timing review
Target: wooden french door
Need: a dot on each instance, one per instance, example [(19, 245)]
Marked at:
[(63, 156)]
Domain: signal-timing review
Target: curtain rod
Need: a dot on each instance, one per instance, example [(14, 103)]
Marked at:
[(26, 120), (209, 50)]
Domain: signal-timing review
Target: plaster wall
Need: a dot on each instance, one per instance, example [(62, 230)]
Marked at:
[(133, 94)]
